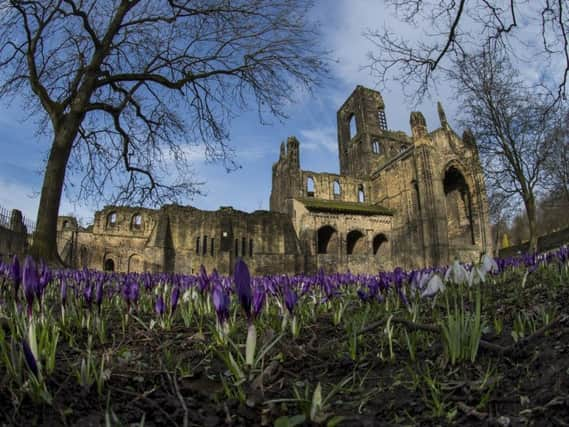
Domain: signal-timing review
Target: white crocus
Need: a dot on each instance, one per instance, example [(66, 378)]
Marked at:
[(489, 264), (456, 273), (477, 275), (434, 285)]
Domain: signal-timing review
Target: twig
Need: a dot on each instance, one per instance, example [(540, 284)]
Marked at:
[(180, 397), (468, 411), (146, 399)]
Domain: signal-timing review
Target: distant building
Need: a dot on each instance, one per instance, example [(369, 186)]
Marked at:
[(399, 200)]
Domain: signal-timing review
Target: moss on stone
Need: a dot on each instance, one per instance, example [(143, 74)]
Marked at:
[(343, 207)]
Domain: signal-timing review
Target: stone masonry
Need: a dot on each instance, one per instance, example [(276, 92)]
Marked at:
[(399, 200)]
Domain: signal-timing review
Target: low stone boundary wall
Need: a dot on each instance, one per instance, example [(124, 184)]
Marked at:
[(544, 243)]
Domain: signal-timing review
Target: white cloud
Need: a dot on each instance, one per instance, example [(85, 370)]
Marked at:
[(319, 138)]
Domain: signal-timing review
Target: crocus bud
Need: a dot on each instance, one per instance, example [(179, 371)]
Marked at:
[(159, 306), (221, 302), (290, 299), (434, 285), (31, 282), (29, 357), (175, 298), (15, 274), (258, 301), (243, 286)]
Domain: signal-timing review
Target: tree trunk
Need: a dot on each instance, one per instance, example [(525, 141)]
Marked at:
[(44, 244), (531, 211)]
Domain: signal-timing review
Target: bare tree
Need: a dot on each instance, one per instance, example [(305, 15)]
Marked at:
[(557, 165), (130, 83), (512, 126), (448, 29)]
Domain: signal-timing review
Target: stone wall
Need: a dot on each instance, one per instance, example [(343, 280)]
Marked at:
[(545, 243), (351, 243), (181, 239)]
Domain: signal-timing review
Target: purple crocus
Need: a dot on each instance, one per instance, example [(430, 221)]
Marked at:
[(44, 279), (290, 299), (174, 299), (243, 286), (63, 292), (30, 280), (160, 307), (30, 358), (99, 293), (15, 274), (258, 301), (221, 303), (88, 295), (203, 279)]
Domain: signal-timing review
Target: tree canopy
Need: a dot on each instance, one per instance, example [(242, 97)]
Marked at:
[(534, 32)]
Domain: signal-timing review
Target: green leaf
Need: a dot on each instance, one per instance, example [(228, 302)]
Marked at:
[(293, 421), (334, 421), (316, 402)]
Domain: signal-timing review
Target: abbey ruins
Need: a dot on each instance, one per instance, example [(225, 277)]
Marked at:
[(399, 200)]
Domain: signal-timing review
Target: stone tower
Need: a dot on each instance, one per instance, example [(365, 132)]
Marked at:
[(364, 142)]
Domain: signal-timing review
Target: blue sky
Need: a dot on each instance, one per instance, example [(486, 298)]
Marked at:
[(312, 120)]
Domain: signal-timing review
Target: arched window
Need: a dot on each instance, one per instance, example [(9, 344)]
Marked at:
[(459, 208), (353, 126), (375, 147), (243, 247), (378, 244), (136, 222), (236, 247), (361, 194), (109, 265), (355, 243), (336, 189), (197, 245), (204, 249), (135, 264), (327, 240), (65, 224), (112, 219), (212, 245), (251, 247), (310, 186)]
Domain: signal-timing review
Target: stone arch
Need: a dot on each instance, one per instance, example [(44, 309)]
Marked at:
[(458, 202), (310, 187), (355, 243), (109, 264), (135, 264), (361, 194), (336, 189), (327, 240), (112, 219), (136, 222), (379, 246), (352, 125)]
